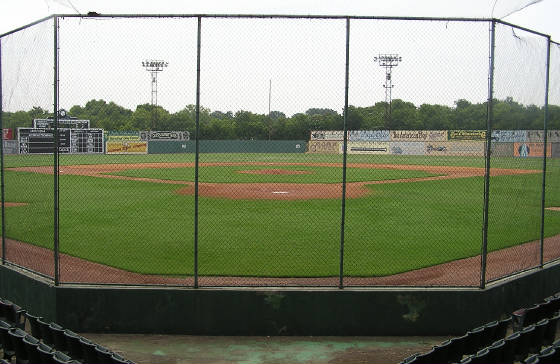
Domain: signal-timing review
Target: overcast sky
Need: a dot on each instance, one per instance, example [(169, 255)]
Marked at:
[(541, 16), (303, 61)]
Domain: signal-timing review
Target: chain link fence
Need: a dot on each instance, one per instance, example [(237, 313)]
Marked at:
[(205, 151)]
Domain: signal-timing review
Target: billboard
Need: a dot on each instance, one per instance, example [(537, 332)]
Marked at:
[(407, 148), (368, 135), (327, 135), (366, 147), (116, 136), (127, 147), (525, 150), (7, 134), (509, 136), (553, 136), (324, 146), (555, 150), (467, 135), (501, 149), (11, 146), (168, 135), (464, 148), (418, 135), (535, 135)]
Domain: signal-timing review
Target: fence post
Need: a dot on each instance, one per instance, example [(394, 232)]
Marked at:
[(2, 164), (490, 116), (543, 201), (196, 136), (55, 154), (344, 154)]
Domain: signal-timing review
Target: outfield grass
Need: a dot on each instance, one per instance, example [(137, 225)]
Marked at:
[(72, 159), (146, 227)]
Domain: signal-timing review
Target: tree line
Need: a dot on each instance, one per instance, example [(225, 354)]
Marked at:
[(463, 115)]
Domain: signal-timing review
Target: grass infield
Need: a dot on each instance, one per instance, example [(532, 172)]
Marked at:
[(147, 227)]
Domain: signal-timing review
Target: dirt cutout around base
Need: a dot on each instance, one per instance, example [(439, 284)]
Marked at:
[(274, 191)]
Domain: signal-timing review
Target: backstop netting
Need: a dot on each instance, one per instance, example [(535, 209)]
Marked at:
[(279, 151)]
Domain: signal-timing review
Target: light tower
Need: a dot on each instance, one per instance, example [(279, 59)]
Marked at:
[(388, 61), (154, 67)]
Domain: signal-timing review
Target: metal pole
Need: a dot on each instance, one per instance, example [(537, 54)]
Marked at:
[(490, 116), (55, 154), (543, 201), (196, 135), (344, 155), (2, 166)]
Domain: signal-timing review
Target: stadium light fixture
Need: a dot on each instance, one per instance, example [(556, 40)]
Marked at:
[(388, 61)]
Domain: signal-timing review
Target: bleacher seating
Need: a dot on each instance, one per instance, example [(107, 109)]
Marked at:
[(46, 342), (12, 313), (528, 336)]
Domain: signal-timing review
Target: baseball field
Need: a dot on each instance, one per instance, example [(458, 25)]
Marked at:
[(276, 215)]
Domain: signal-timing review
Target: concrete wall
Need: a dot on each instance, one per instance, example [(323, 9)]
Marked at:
[(287, 311)]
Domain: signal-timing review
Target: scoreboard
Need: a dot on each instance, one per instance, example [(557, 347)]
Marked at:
[(79, 141), (63, 123)]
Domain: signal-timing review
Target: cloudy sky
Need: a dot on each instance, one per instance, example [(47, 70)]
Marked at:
[(301, 63), (538, 15)]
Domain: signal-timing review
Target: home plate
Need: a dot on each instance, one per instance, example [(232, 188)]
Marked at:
[(280, 192)]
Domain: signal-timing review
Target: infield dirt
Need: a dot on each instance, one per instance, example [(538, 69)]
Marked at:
[(274, 191)]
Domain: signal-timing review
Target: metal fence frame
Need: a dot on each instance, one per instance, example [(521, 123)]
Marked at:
[(348, 19)]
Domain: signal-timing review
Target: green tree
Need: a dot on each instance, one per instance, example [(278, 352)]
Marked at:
[(403, 116), (435, 117)]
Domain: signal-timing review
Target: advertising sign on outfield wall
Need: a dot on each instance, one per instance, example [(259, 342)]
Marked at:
[(366, 147), (509, 136), (368, 135), (555, 150), (11, 146), (327, 135), (115, 136), (7, 134), (407, 148), (418, 135), (324, 146), (501, 149), (465, 148), (126, 147), (524, 150), (168, 135), (467, 134), (535, 136), (553, 136)]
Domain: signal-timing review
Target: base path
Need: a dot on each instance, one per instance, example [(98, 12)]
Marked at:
[(274, 191), (463, 272)]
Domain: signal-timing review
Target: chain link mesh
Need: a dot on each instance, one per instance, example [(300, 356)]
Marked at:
[(27, 92), (423, 229), (519, 89), (261, 203), (552, 240)]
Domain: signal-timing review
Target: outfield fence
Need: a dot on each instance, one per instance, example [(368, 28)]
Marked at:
[(326, 151)]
